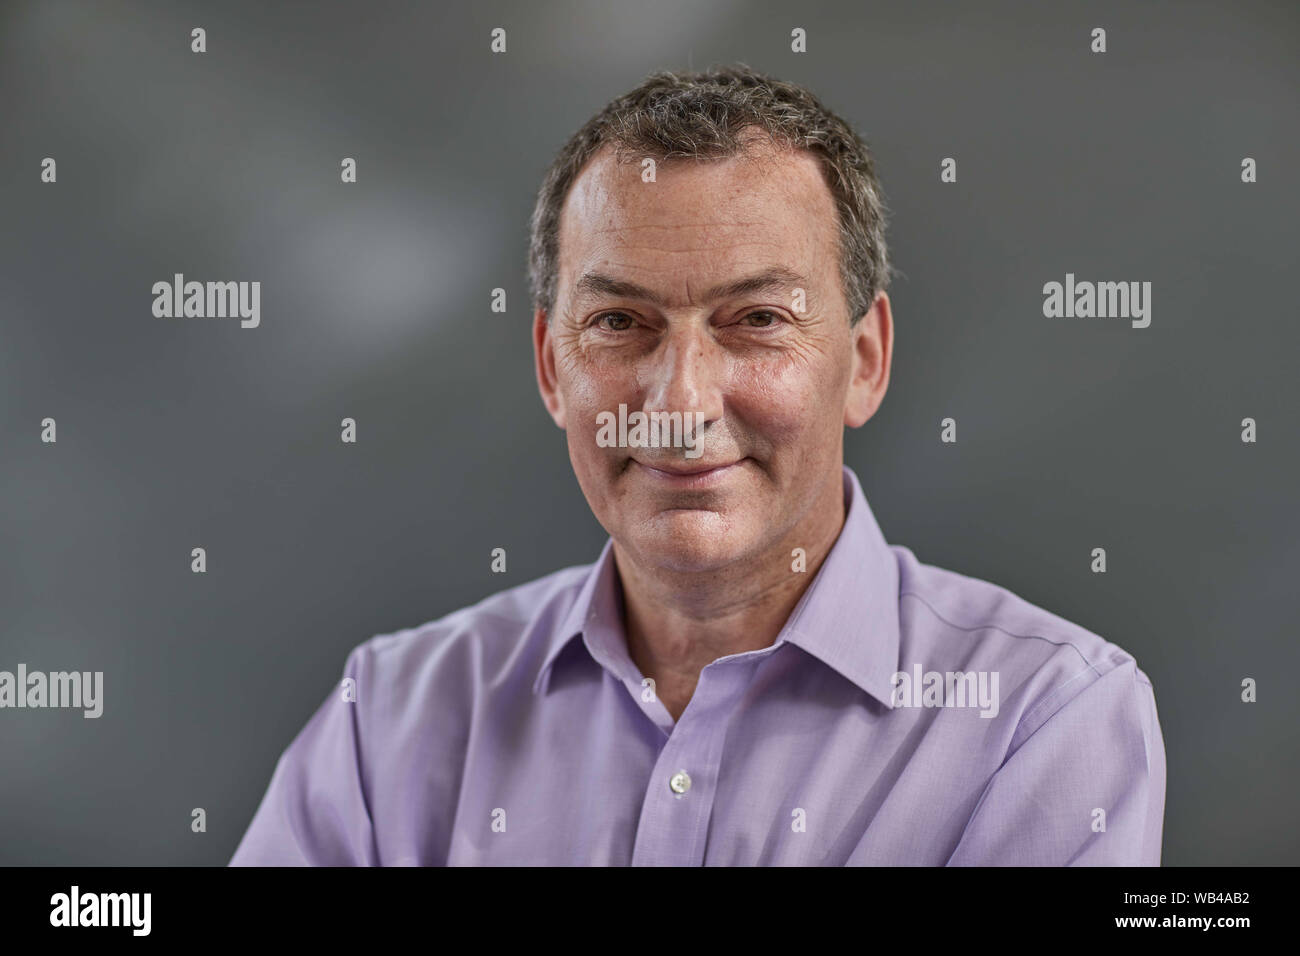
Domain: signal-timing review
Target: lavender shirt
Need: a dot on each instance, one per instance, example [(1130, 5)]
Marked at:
[(518, 731)]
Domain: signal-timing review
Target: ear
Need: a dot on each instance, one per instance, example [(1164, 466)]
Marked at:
[(544, 360), (872, 355)]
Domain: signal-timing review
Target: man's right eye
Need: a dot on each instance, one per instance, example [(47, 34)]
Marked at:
[(614, 321)]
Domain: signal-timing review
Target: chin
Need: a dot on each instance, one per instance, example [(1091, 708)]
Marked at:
[(693, 541)]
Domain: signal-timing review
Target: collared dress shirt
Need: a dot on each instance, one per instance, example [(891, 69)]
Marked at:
[(905, 715)]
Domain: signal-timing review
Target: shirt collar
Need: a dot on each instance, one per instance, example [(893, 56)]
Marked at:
[(847, 619)]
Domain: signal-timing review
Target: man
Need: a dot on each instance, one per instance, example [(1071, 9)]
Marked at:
[(749, 674)]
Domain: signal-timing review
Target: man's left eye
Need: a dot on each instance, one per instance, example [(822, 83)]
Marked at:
[(766, 319)]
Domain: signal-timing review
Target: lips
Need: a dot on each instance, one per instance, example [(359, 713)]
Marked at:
[(685, 470), (688, 476)]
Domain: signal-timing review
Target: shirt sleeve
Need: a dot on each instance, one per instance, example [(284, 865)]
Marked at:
[(1085, 788), (315, 811)]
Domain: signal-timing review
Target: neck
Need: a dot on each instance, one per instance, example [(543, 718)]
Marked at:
[(678, 622)]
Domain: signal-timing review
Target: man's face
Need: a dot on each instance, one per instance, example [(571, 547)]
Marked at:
[(643, 318)]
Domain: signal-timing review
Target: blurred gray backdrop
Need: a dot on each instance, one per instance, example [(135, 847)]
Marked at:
[(1073, 434)]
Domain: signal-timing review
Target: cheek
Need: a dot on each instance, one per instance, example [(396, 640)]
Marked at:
[(788, 397), (589, 388)]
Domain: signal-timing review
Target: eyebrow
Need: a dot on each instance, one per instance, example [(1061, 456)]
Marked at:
[(596, 285)]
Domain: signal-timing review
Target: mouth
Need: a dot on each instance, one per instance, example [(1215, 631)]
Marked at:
[(689, 476)]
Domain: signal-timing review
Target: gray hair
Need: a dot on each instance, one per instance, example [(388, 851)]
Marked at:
[(702, 115)]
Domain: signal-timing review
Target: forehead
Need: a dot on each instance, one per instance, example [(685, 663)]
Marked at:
[(700, 220)]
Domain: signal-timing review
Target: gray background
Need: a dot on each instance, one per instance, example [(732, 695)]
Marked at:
[(1073, 434)]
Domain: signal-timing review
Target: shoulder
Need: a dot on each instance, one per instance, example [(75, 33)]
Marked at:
[(468, 647), (1044, 661)]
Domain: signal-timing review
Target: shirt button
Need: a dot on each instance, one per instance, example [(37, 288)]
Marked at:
[(680, 782)]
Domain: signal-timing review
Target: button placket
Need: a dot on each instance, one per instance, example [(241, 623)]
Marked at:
[(674, 818)]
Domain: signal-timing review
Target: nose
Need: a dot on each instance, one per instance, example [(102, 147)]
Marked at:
[(685, 373)]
